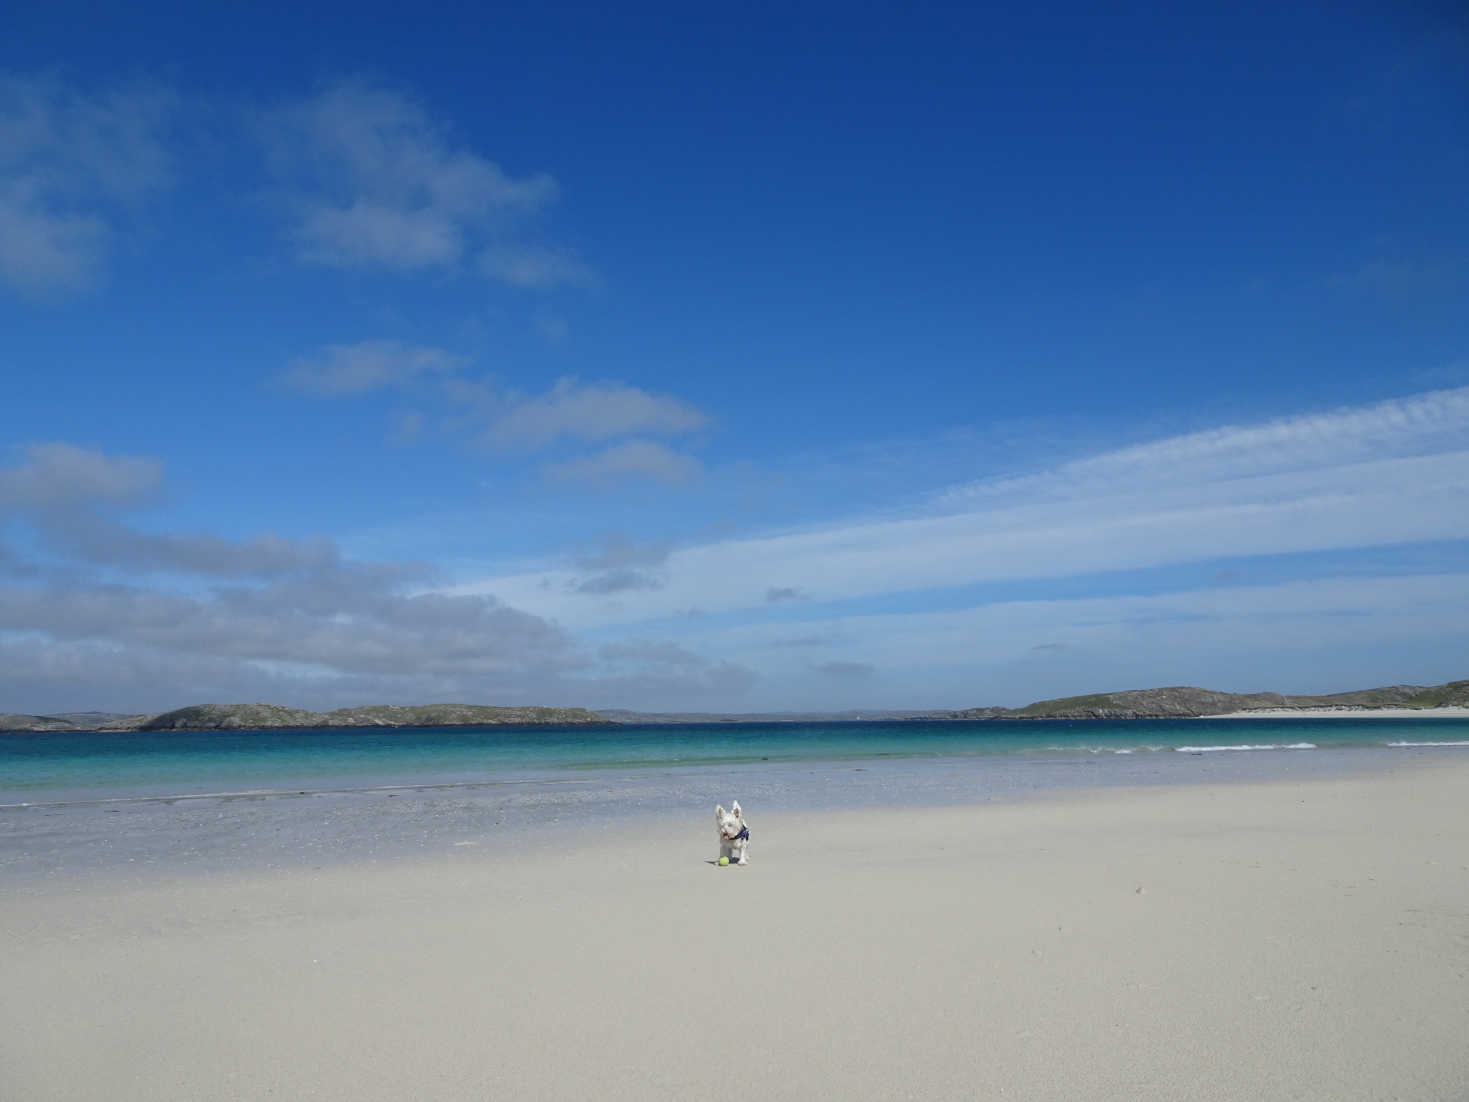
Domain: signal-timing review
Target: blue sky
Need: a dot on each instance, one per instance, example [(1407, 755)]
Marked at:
[(797, 357)]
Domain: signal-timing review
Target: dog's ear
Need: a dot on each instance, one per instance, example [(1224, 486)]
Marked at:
[(719, 811), (736, 809)]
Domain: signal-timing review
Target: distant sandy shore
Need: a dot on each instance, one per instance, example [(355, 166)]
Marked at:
[(1279, 940), (1346, 713)]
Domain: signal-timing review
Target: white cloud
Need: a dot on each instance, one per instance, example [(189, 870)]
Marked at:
[(86, 536), (571, 412), (374, 182), (368, 365), (71, 163), (59, 474), (92, 592), (1390, 473), (1416, 425)]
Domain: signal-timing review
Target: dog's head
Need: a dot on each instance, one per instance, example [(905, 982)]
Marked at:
[(730, 822)]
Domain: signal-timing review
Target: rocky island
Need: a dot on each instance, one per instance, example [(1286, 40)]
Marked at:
[(259, 717), (1185, 701), (1176, 702)]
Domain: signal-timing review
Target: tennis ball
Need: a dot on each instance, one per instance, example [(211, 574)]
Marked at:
[(723, 861)]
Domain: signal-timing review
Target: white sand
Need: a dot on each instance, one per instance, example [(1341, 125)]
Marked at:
[(1346, 713), (1303, 941)]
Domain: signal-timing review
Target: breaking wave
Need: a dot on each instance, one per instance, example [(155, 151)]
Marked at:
[(1247, 746)]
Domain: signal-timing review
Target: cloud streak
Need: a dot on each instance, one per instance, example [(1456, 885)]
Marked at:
[(60, 474), (571, 413), (342, 369), (592, 412), (633, 459), (1395, 472)]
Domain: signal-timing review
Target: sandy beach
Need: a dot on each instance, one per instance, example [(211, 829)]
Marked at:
[(1305, 940)]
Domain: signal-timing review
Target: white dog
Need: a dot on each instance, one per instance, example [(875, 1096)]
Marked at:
[(734, 834)]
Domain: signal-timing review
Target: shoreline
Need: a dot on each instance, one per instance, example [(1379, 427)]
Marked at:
[(290, 827), (1212, 941)]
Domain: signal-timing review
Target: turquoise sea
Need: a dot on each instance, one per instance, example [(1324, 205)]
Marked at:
[(138, 804), (66, 767)]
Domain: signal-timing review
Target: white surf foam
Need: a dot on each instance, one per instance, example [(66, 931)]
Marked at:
[(1250, 746), (1447, 742)]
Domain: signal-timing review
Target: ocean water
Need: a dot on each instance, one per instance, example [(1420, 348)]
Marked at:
[(70, 767), (137, 804)]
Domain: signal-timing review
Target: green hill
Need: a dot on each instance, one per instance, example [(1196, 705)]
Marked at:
[(1183, 701)]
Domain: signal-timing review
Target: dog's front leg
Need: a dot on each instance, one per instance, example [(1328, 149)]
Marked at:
[(744, 856)]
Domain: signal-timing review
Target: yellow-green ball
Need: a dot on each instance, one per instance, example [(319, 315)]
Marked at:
[(723, 861)]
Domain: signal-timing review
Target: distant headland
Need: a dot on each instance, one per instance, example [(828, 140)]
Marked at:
[(258, 717), (1177, 702)]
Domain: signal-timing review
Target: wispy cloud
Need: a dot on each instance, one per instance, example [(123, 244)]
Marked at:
[(532, 266), (617, 580), (72, 163), (567, 417), (621, 565), (1418, 425), (588, 411), (778, 593), (341, 369), (632, 459), (104, 541), (618, 550), (1393, 472), (373, 182)]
